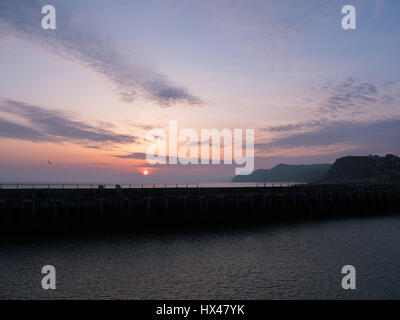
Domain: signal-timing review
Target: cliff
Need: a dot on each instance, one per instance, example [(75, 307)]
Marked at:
[(365, 169)]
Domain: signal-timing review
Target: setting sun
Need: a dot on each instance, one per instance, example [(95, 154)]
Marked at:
[(145, 172)]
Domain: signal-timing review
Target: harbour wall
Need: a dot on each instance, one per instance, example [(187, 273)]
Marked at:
[(55, 211)]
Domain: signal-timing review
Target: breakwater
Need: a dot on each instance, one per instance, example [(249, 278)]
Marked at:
[(54, 211)]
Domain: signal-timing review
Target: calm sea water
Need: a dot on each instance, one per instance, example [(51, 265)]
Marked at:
[(296, 261)]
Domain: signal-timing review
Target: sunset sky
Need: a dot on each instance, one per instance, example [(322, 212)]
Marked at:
[(84, 95)]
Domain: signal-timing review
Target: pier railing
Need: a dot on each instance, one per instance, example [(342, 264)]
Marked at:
[(54, 186)]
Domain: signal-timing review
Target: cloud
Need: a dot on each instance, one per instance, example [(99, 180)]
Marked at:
[(22, 19), (42, 125), (349, 93), (139, 125), (143, 156), (350, 96), (306, 125), (380, 135), (389, 83), (134, 155), (16, 131)]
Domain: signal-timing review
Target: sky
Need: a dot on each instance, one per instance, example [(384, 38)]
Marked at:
[(77, 102)]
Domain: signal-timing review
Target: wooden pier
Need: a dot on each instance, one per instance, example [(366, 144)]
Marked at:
[(55, 211)]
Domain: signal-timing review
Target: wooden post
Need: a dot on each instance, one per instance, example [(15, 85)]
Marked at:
[(33, 204), (78, 206), (101, 206), (148, 204), (166, 203), (237, 201), (54, 206)]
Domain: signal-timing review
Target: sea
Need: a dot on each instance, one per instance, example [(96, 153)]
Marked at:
[(281, 261)]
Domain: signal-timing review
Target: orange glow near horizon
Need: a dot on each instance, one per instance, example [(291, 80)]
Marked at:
[(145, 172)]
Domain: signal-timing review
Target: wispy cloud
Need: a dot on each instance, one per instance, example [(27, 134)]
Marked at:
[(139, 125), (22, 19), (42, 125), (143, 156), (134, 155), (349, 93), (13, 130), (299, 126), (345, 97), (380, 135)]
